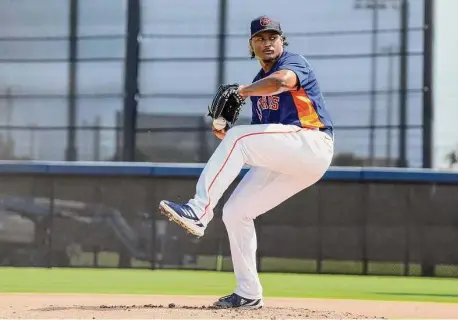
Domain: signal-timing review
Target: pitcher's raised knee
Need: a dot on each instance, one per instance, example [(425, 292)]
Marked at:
[(232, 214), (236, 212), (237, 132)]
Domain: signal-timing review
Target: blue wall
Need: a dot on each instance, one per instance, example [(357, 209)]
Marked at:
[(194, 169)]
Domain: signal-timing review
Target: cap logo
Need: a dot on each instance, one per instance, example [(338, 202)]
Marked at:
[(264, 21)]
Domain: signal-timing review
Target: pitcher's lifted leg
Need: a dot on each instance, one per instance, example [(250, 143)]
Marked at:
[(282, 148)]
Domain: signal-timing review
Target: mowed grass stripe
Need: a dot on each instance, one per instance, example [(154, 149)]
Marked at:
[(184, 282)]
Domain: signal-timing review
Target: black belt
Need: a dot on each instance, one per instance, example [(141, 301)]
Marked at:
[(328, 131)]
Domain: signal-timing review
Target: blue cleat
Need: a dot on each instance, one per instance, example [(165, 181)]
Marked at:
[(184, 216), (236, 301)]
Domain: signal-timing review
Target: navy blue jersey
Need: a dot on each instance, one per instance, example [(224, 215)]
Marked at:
[(303, 107)]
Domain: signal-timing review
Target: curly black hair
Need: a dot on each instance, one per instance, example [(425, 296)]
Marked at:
[(285, 44)]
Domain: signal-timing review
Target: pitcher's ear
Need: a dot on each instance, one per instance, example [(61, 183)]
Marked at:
[(250, 49), (285, 41)]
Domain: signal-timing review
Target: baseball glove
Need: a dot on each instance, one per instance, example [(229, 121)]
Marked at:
[(227, 103)]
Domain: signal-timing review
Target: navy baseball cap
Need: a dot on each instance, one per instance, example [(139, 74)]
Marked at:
[(264, 23)]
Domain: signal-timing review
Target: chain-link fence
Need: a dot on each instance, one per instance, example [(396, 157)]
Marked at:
[(79, 77)]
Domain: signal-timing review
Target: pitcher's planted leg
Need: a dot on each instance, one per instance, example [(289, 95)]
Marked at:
[(258, 192)]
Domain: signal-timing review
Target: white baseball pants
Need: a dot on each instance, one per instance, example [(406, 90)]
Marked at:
[(285, 159)]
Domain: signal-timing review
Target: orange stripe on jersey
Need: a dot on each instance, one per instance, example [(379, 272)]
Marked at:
[(305, 110)]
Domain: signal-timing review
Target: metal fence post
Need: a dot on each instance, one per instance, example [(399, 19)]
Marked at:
[(373, 115), (319, 234), (130, 96), (50, 217), (220, 78), (407, 226), (428, 103), (131, 80), (203, 141), (71, 153), (403, 82), (97, 139), (364, 226), (222, 12)]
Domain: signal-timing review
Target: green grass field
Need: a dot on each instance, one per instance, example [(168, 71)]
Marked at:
[(184, 282), (275, 264)]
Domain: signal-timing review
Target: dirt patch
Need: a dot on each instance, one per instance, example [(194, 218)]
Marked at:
[(86, 306)]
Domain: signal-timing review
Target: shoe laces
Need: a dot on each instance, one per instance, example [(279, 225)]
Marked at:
[(232, 297)]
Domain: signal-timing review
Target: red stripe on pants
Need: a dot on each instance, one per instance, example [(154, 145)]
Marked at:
[(228, 156)]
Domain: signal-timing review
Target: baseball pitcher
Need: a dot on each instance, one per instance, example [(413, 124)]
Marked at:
[(289, 146)]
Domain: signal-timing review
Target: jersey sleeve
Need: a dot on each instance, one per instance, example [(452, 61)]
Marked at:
[(298, 65)]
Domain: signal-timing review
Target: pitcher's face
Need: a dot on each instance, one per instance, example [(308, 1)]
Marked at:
[(267, 45)]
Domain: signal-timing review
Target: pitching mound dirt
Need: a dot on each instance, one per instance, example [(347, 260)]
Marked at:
[(72, 306)]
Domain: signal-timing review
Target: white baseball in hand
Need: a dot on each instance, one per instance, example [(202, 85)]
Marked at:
[(219, 123)]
